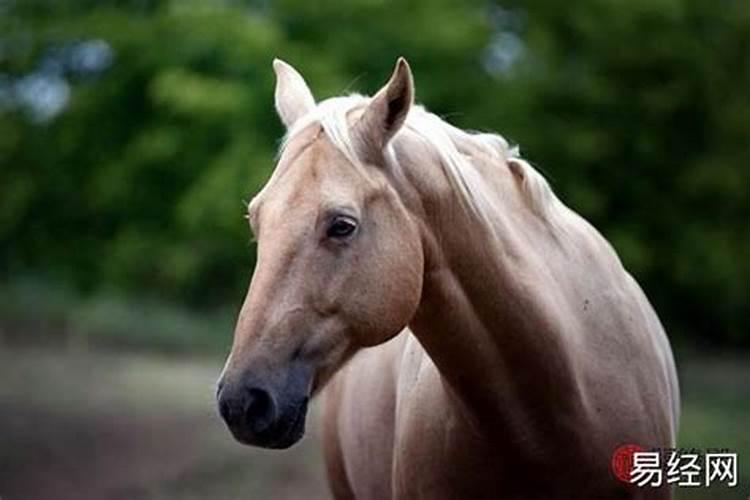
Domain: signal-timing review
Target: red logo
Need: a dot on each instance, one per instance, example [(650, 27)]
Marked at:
[(622, 461)]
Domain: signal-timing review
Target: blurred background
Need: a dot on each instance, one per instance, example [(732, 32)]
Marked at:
[(133, 132)]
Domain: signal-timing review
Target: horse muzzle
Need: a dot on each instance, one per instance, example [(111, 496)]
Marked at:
[(259, 414)]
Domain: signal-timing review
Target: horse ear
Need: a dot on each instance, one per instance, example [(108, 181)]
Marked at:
[(387, 110), (293, 97)]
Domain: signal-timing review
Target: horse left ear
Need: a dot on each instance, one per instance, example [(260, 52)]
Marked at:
[(293, 97), (387, 110)]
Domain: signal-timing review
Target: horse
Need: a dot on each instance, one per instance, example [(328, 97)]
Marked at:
[(475, 337)]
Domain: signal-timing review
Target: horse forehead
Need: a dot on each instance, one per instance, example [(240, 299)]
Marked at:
[(310, 161), (306, 146), (311, 177)]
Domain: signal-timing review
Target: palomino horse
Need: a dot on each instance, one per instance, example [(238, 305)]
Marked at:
[(531, 354)]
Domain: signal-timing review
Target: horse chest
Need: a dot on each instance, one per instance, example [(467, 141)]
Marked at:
[(435, 452)]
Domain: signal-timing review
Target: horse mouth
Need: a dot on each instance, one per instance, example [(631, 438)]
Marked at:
[(289, 431), (282, 434)]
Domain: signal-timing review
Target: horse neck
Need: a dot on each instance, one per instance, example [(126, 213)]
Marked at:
[(489, 316)]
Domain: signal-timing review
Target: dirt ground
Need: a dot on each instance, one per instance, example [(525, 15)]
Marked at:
[(92, 425)]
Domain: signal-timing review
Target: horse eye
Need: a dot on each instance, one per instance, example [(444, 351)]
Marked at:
[(341, 227)]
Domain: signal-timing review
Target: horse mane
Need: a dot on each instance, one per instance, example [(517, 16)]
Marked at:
[(448, 142)]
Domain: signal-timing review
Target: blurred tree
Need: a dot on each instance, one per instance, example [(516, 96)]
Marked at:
[(131, 132), (639, 112), (139, 182)]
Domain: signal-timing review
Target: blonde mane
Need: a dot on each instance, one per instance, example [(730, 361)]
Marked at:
[(447, 142)]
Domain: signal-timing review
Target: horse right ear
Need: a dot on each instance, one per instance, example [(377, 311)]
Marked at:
[(386, 112), (293, 97)]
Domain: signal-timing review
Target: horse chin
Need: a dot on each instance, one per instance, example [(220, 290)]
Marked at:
[(325, 373)]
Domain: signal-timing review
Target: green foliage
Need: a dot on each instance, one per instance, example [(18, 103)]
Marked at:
[(637, 111), (640, 115)]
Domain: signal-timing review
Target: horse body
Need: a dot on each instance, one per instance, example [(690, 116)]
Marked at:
[(531, 356), (534, 356)]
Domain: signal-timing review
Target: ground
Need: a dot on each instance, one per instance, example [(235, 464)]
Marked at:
[(93, 425), (77, 424)]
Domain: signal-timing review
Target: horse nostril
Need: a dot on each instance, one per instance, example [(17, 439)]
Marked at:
[(259, 410)]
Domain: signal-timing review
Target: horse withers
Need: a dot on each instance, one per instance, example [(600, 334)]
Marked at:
[(531, 355)]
